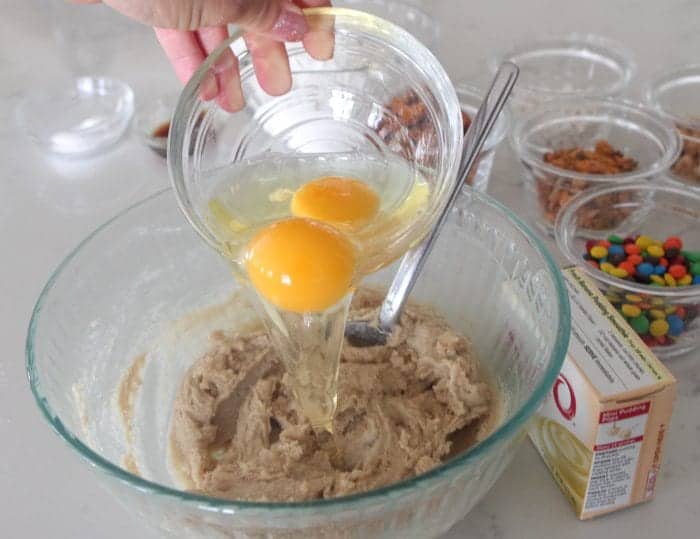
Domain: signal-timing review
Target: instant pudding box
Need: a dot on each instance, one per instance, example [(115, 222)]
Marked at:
[(602, 427)]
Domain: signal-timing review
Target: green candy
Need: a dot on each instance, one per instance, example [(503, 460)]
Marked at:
[(692, 256), (617, 240), (695, 268), (640, 324)]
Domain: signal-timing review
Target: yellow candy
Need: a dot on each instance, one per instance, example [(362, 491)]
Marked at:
[(656, 242), (685, 280), (657, 314), (655, 250), (631, 311), (643, 242), (607, 267), (657, 279), (670, 281), (633, 298), (670, 309), (599, 252), (658, 328), (619, 273), (658, 302)]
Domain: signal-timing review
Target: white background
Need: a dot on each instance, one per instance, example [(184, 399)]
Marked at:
[(47, 206)]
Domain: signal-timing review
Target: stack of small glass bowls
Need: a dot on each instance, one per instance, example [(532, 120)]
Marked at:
[(571, 66)]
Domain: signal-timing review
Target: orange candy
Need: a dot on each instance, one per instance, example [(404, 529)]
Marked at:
[(635, 259), (677, 271), (627, 266), (632, 249)]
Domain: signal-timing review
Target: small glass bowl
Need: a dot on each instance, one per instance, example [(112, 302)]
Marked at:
[(152, 122), (411, 18), (81, 118), (638, 133), (655, 210), (470, 99), (576, 65), (674, 94)]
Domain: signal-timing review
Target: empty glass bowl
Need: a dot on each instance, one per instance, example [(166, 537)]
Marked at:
[(82, 117), (655, 210), (470, 99), (674, 94), (638, 133), (337, 111), (129, 291), (576, 65)]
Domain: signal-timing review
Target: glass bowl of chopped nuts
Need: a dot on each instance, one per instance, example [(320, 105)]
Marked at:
[(571, 145), (646, 258), (674, 94)]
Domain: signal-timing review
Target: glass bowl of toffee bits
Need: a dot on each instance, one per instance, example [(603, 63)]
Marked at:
[(572, 145), (646, 260), (412, 112), (675, 94)]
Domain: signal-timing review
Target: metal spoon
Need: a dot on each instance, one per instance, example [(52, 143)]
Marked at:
[(363, 333)]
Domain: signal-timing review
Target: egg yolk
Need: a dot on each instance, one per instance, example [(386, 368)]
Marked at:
[(300, 265), (336, 200)]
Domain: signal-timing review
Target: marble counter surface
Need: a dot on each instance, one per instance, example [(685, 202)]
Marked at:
[(48, 205)]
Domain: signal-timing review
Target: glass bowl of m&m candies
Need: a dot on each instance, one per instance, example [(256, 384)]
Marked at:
[(647, 262)]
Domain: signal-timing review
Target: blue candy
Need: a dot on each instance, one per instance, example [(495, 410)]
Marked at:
[(645, 269), (675, 324), (696, 279), (659, 270), (616, 250)]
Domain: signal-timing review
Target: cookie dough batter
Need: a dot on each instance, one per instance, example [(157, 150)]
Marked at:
[(236, 432)]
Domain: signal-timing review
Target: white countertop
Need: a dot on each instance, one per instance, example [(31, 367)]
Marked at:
[(47, 206)]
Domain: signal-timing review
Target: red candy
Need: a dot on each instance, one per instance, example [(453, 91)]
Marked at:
[(627, 266), (593, 263), (635, 259), (680, 312), (632, 249), (604, 243), (677, 271), (663, 262), (673, 242), (590, 244)]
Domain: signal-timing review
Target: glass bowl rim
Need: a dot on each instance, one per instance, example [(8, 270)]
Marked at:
[(474, 454), (566, 216), (667, 77), (611, 49), (610, 106)]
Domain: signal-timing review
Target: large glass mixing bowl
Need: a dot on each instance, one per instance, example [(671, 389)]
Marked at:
[(128, 292), (338, 111)]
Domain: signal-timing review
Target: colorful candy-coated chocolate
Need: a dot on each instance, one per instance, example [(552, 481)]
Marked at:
[(645, 269), (670, 281), (658, 327), (656, 279), (631, 249), (615, 239), (640, 324), (673, 242), (675, 325), (619, 273), (631, 311), (695, 268), (643, 242), (657, 314), (659, 270), (655, 251), (598, 252), (677, 271)]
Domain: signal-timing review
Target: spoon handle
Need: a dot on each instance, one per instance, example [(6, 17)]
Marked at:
[(478, 132)]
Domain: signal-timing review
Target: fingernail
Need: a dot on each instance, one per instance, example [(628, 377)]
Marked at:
[(291, 24), (209, 88)]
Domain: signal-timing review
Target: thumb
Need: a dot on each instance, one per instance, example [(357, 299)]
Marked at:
[(281, 20)]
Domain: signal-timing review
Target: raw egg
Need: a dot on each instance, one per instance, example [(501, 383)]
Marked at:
[(336, 200), (301, 265)]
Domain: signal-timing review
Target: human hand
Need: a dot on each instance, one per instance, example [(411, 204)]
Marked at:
[(188, 30)]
